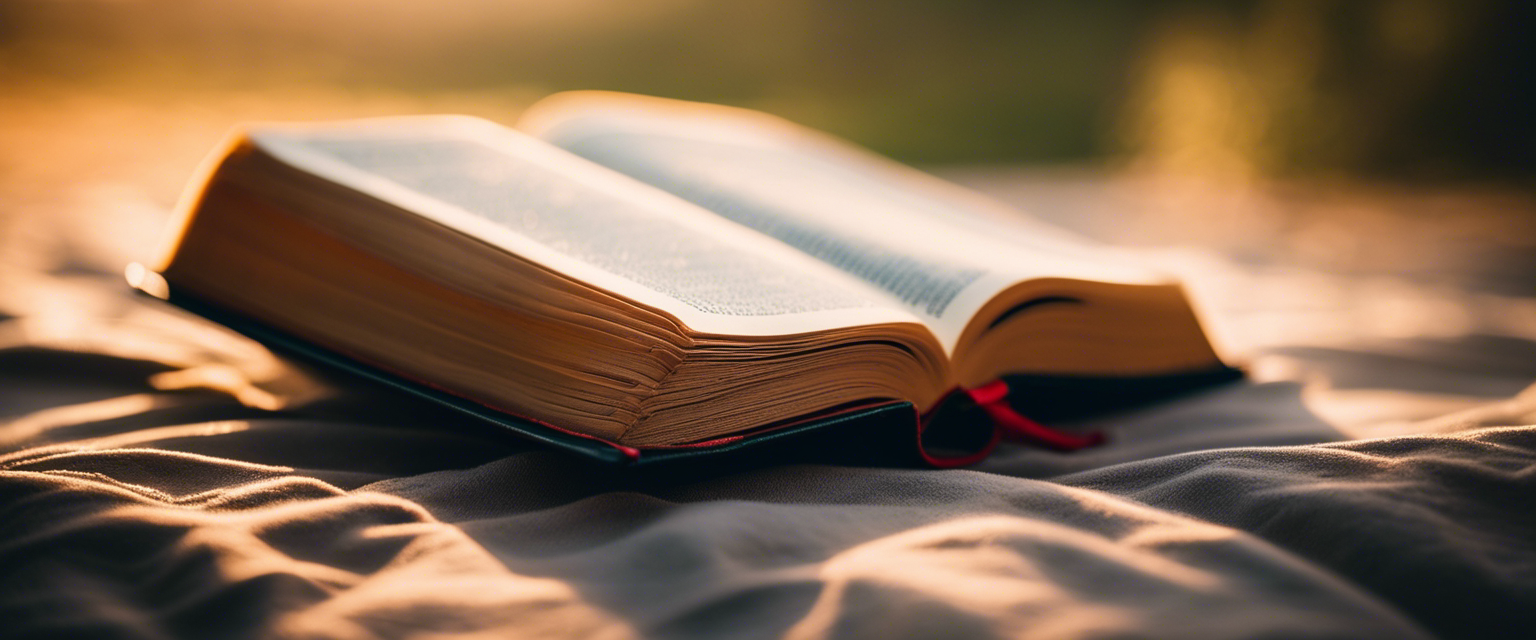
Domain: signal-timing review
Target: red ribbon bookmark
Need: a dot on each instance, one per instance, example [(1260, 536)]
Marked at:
[(993, 398)]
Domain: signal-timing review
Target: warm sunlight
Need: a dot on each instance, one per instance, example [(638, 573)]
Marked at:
[(701, 319)]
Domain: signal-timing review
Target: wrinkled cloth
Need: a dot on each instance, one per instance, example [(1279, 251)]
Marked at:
[(161, 477)]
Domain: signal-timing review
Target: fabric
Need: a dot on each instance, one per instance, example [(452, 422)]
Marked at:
[(165, 478), (161, 477)]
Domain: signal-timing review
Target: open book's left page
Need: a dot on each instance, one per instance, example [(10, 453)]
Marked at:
[(581, 220), (478, 260)]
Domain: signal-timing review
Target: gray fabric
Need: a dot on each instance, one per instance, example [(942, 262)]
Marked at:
[(140, 499), (163, 478)]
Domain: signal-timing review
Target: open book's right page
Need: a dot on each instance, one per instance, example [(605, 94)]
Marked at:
[(941, 251)]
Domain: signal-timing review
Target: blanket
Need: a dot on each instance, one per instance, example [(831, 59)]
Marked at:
[(162, 477)]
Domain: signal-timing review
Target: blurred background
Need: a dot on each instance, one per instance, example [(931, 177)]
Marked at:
[(1385, 139), (1420, 88)]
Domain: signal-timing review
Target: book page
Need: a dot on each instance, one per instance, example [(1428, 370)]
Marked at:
[(598, 227), (938, 250)]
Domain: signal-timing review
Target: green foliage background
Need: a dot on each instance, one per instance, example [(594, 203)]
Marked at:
[(1277, 87)]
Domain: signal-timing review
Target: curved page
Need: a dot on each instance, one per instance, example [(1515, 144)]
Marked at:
[(936, 249), (583, 220)]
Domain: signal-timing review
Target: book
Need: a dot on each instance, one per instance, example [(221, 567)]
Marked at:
[(654, 275)]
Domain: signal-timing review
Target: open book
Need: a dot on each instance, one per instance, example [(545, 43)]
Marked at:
[(652, 273)]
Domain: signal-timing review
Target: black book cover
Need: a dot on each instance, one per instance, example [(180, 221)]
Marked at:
[(879, 432)]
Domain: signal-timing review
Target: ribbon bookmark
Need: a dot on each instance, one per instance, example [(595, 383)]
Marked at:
[(993, 398)]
